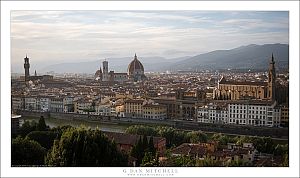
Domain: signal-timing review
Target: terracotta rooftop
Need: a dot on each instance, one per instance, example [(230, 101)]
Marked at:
[(134, 101), (190, 149), (224, 81)]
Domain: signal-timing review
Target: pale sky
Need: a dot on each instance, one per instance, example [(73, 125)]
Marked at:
[(50, 37)]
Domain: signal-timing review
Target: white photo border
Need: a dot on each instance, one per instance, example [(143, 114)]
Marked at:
[(291, 6)]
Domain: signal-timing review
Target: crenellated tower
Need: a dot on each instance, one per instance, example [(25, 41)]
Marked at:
[(26, 67)]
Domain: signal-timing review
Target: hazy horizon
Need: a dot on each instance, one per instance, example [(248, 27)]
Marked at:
[(52, 37)]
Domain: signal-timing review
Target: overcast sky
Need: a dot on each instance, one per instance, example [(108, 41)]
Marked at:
[(50, 37)]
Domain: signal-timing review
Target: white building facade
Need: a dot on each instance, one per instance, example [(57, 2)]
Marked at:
[(255, 113), (31, 103), (212, 113), (57, 104), (44, 104)]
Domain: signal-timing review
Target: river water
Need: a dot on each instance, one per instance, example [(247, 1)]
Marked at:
[(52, 122)]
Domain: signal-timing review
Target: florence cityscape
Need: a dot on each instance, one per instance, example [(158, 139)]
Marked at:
[(150, 88)]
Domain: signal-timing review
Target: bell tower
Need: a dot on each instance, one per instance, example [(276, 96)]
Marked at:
[(26, 67), (105, 71), (271, 79)]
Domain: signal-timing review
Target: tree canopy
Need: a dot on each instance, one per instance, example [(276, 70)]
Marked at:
[(26, 152), (143, 147), (41, 126), (27, 127), (196, 137), (173, 136), (82, 147), (45, 138)]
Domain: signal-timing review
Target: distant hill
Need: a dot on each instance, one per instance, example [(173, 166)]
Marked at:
[(244, 57), (154, 63)]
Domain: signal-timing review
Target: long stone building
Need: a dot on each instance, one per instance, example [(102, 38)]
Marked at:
[(235, 90)]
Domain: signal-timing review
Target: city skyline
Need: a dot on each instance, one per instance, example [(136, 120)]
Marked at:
[(78, 36)]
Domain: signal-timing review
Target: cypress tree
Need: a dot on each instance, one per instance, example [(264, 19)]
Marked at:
[(151, 146), (41, 126), (145, 142)]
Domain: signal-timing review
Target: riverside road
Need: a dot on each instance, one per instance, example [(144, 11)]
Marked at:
[(120, 124)]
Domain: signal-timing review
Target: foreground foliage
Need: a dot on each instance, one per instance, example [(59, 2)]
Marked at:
[(26, 152), (82, 147), (143, 148), (173, 137)]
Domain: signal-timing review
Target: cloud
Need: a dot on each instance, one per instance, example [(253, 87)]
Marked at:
[(65, 36), (257, 24)]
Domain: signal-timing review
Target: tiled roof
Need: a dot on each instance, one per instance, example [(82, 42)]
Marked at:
[(243, 83), (134, 101), (190, 149)]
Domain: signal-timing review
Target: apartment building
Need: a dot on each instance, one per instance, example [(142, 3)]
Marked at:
[(82, 105), (31, 103), (154, 111), (243, 112), (44, 104), (57, 104), (134, 108), (17, 102)]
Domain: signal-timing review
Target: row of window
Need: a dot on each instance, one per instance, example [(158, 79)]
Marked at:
[(134, 104), (154, 117), (245, 107), (129, 111), (154, 112)]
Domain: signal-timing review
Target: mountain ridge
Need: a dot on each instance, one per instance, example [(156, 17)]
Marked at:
[(253, 57), (250, 56)]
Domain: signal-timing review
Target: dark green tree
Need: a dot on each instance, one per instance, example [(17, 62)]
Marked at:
[(264, 144), (170, 134), (44, 138), (138, 151), (60, 129), (82, 147), (150, 160), (142, 147), (173, 137), (196, 137), (25, 152), (222, 139), (142, 130), (27, 127), (239, 163), (41, 126), (151, 147), (280, 150), (185, 161), (145, 142), (207, 162), (285, 162)]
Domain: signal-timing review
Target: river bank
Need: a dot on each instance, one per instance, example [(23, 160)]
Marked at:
[(120, 124), (53, 122)]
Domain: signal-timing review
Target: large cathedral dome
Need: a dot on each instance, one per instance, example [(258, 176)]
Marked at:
[(135, 67), (136, 70)]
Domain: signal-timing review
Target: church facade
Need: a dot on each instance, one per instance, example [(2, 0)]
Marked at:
[(135, 72), (234, 90)]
